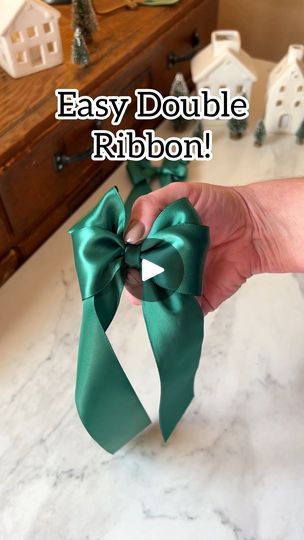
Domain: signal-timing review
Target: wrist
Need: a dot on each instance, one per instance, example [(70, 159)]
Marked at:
[(277, 219)]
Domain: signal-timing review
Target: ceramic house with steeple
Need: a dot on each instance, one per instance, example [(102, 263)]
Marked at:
[(29, 37), (285, 93), (224, 64)]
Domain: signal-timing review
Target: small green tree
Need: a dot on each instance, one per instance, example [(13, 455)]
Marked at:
[(80, 55), (300, 134), (259, 133), (198, 130), (179, 88), (233, 127), (237, 127), (84, 17)]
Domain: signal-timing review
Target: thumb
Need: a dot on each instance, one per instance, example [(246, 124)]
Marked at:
[(147, 207)]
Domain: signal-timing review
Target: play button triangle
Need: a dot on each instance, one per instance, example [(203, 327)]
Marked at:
[(150, 269)]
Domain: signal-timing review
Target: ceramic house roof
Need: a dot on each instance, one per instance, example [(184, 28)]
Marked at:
[(11, 8), (206, 61), (284, 67)]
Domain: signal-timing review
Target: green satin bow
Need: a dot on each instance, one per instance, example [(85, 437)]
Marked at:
[(107, 404), (142, 173)]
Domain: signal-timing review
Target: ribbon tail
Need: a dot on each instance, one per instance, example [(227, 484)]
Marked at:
[(176, 329), (142, 188), (106, 402)]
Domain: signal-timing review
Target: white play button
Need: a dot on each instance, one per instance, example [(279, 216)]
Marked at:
[(150, 269)]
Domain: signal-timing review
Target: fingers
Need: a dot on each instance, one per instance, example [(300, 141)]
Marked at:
[(133, 287), (146, 209)]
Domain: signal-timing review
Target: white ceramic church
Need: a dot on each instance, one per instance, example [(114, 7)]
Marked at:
[(224, 64), (29, 37), (285, 93)]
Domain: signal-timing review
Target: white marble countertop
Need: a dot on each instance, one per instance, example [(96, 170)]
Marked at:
[(234, 467)]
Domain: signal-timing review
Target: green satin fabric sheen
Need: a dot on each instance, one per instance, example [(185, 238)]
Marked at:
[(107, 403), (142, 173)]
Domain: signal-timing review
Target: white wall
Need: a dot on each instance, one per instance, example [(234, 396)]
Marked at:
[(267, 26)]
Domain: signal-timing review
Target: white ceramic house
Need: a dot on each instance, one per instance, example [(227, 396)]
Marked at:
[(29, 37), (285, 93), (224, 64)]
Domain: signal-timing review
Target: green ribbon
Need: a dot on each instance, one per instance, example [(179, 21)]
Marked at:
[(107, 404), (141, 174)]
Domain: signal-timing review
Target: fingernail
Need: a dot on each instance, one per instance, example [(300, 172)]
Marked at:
[(135, 232)]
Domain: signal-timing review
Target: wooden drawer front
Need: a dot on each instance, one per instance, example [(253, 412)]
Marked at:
[(178, 40), (8, 265), (144, 80), (6, 240), (31, 187)]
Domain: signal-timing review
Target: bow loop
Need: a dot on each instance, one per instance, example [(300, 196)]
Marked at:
[(173, 171), (169, 171), (140, 171), (98, 238)]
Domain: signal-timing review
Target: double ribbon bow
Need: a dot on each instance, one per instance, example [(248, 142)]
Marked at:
[(107, 404)]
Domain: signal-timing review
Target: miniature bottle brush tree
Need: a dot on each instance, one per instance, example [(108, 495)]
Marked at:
[(80, 54), (84, 23), (259, 133), (300, 134), (179, 88), (84, 17)]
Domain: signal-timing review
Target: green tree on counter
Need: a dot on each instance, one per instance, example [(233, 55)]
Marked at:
[(80, 55), (300, 134), (84, 17), (259, 133), (237, 127), (179, 88)]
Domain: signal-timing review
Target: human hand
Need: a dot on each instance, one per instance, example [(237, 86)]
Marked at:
[(232, 256)]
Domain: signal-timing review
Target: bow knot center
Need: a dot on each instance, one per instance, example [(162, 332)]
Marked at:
[(132, 256)]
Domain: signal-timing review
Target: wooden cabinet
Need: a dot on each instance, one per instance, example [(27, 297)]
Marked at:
[(132, 50)]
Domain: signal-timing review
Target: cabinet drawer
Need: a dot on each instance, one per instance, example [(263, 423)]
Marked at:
[(180, 40), (6, 240), (31, 187), (8, 265)]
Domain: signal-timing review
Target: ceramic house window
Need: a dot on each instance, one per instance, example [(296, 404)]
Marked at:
[(21, 57), (282, 88), (31, 31), (284, 121), (51, 47), (36, 56), (47, 27), (16, 37)]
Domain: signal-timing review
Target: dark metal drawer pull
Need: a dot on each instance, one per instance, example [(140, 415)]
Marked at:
[(175, 58), (60, 159)]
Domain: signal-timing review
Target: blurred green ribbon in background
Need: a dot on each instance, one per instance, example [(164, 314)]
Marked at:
[(107, 403), (142, 173)]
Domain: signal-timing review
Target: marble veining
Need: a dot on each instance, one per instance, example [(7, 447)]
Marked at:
[(234, 467)]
